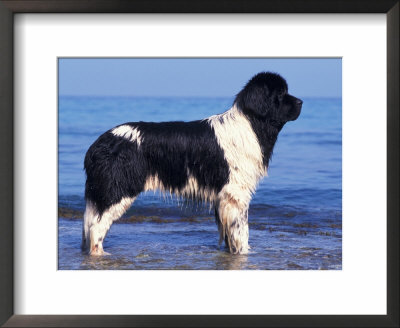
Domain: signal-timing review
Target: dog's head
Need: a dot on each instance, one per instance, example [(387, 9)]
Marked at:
[(266, 97)]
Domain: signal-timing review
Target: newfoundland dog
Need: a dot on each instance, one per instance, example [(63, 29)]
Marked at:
[(219, 160)]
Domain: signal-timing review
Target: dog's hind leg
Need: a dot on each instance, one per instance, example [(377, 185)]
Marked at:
[(91, 215), (95, 227)]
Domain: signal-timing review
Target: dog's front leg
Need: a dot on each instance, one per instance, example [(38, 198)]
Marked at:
[(238, 233), (233, 225)]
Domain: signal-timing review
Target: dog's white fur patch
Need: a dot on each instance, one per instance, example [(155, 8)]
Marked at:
[(243, 153), (89, 216), (191, 190), (234, 219), (95, 229), (127, 132), (153, 183)]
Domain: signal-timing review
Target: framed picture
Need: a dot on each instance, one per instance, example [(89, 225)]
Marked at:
[(70, 78), (174, 230)]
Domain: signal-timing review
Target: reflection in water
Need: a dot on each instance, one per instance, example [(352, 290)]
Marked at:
[(219, 260), (107, 261), (226, 261)]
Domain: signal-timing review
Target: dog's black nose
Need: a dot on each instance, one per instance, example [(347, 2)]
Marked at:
[(299, 102)]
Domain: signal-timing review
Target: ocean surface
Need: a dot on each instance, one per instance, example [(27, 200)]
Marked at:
[(295, 216)]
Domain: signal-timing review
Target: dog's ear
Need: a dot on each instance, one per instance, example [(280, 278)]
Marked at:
[(255, 99)]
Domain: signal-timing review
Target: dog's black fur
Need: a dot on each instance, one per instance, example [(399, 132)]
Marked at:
[(268, 106), (118, 168)]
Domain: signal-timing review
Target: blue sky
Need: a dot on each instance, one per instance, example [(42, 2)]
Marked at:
[(198, 77)]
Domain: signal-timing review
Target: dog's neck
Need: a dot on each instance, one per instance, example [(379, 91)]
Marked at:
[(266, 131), (236, 135)]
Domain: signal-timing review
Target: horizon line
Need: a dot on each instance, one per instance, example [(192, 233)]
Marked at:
[(172, 96)]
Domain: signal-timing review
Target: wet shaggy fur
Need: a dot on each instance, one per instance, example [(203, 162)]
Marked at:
[(219, 160)]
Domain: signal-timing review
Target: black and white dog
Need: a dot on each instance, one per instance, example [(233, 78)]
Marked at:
[(219, 160)]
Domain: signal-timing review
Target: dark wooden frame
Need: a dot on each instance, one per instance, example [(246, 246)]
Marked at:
[(7, 10)]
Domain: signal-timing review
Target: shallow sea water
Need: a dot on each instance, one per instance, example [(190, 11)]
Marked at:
[(295, 216)]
